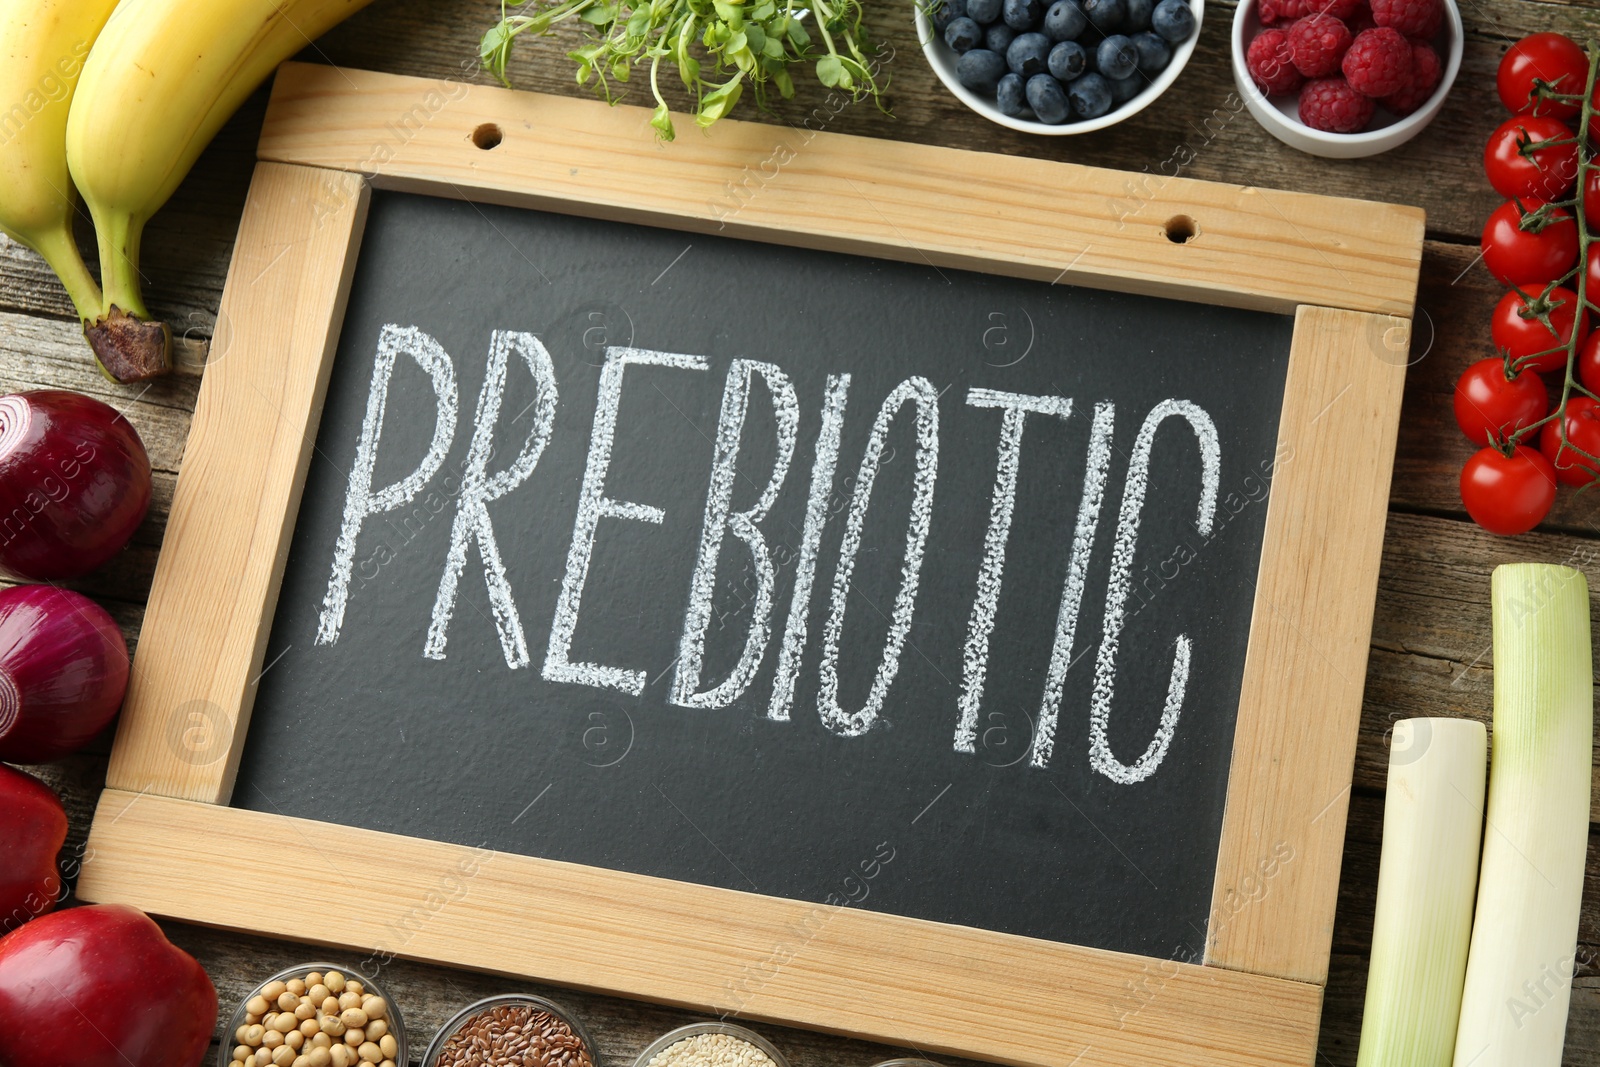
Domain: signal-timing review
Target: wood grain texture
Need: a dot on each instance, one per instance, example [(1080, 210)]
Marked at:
[(840, 970), (1429, 627), (1255, 248), (215, 586), (1299, 708)]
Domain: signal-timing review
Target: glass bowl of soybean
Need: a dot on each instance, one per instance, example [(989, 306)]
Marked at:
[(366, 1016), (491, 1034), (695, 1050)]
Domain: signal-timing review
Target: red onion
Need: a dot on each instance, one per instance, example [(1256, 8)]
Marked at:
[(63, 672), (74, 484)]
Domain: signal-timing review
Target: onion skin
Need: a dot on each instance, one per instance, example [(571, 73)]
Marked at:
[(33, 826), (63, 672), (74, 484)]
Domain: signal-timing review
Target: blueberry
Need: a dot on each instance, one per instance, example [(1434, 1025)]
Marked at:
[(1012, 96), (1173, 20), (999, 38), (1048, 100), (983, 12), (1125, 89), (1029, 54), (1067, 61), (948, 12), (1154, 54), (1115, 58), (963, 35), (1137, 16), (980, 70), (1090, 95), (1065, 21), (1022, 15), (1106, 15)]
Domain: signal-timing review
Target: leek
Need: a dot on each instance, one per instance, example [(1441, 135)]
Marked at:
[(1524, 937), (1432, 824)]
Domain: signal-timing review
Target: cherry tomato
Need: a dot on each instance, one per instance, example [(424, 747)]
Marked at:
[(1551, 58), (1592, 270), (1518, 257), (1583, 434), (1488, 404), (1508, 495), (1591, 189), (1530, 337), (1589, 363), (1545, 173)]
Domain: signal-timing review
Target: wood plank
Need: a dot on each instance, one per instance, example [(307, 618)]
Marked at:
[(1043, 1004), (1431, 632), (1296, 732), (1255, 248), (236, 501)]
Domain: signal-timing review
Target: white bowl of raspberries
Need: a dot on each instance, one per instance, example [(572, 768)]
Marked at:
[(1345, 78)]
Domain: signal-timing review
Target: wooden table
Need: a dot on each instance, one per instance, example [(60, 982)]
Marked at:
[(1430, 643)]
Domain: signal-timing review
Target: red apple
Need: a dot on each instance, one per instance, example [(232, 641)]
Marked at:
[(32, 827), (101, 987)]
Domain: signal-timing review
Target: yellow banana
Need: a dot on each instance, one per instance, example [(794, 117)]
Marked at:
[(43, 45), (164, 77)]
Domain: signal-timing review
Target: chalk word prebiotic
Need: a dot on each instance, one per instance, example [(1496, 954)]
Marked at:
[(915, 399)]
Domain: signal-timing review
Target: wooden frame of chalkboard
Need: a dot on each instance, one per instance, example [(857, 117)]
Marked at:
[(165, 839)]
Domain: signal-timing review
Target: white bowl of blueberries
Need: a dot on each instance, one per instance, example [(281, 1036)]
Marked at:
[(1058, 66)]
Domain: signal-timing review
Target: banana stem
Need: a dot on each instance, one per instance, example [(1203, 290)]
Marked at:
[(128, 346), (119, 263), (60, 250)]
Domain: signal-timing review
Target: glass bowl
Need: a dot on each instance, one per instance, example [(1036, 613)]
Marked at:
[(396, 1022), (510, 1000), (672, 1037)]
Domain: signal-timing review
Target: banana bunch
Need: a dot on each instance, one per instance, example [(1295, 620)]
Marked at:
[(160, 79), (43, 47)]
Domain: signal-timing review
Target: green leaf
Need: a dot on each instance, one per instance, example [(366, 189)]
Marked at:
[(599, 14), (755, 36), (619, 68), (830, 72), (773, 49), (689, 71), (661, 119), (719, 102), (784, 82), (798, 35), (730, 12)]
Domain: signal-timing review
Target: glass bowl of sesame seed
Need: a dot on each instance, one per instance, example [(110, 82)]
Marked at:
[(710, 1045), (315, 1015), (516, 1030)]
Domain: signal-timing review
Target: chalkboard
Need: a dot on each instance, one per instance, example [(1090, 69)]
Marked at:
[(548, 447)]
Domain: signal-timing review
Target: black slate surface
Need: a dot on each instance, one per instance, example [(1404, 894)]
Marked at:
[(368, 731)]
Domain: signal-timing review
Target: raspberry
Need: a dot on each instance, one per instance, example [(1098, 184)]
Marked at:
[(1270, 66), (1414, 18), (1339, 9), (1426, 70), (1317, 43), (1270, 12), (1330, 105), (1378, 62)]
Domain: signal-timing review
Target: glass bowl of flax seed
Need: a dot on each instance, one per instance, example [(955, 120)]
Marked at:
[(517, 1030)]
